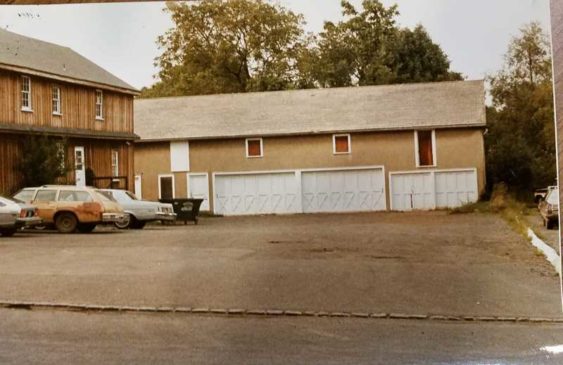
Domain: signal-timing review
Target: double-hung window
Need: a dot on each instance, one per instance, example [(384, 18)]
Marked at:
[(57, 100), (99, 105), (26, 94)]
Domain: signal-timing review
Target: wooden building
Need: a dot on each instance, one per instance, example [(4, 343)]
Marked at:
[(51, 90)]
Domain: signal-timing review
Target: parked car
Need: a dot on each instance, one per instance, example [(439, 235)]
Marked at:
[(549, 208), (540, 194), (14, 215), (70, 208), (139, 211)]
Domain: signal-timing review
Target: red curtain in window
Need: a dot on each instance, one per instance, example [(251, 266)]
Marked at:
[(254, 148), (425, 148), (341, 144)]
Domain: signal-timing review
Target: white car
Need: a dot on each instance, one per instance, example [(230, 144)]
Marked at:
[(139, 211), (14, 216)]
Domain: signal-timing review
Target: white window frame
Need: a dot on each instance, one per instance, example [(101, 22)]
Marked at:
[(173, 185), (416, 152), (261, 147), (101, 104), (334, 136), (115, 162), (29, 107), (56, 100)]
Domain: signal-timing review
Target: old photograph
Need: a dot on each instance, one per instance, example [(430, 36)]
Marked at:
[(280, 182)]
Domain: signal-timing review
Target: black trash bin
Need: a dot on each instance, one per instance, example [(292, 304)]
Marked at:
[(185, 209)]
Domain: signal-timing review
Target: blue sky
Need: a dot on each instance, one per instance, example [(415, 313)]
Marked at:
[(121, 37)]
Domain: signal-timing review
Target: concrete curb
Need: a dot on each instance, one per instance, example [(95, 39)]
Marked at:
[(550, 254), (239, 312)]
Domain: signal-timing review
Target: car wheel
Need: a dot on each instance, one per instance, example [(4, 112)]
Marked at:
[(86, 227), (136, 224), (66, 222), (126, 223), (8, 232)]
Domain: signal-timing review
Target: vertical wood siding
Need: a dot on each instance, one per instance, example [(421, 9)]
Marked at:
[(97, 154), (77, 105)]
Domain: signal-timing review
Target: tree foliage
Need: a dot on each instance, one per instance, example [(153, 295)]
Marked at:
[(42, 160), (521, 138), (221, 46)]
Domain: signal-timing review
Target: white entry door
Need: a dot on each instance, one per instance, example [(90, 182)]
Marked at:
[(138, 186), (198, 188), (79, 166), (343, 190), (412, 190), (256, 193)]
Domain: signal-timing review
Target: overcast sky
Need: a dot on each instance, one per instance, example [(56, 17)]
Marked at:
[(121, 37)]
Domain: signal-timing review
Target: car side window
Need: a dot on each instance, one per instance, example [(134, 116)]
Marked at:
[(74, 196), (45, 196)]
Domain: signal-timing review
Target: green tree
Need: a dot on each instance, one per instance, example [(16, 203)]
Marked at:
[(221, 46), (521, 138), (368, 48), (42, 160)]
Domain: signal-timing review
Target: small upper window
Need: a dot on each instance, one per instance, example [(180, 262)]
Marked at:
[(426, 144), (26, 93), (254, 147), (341, 144), (115, 162), (99, 104), (57, 100)]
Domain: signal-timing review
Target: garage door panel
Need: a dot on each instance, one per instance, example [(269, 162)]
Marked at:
[(429, 190), (247, 194), (343, 190)]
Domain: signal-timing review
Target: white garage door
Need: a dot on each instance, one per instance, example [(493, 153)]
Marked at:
[(264, 193), (456, 188), (412, 191), (343, 190), (433, 189)]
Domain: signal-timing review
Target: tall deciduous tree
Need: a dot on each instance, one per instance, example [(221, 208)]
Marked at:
[(221, 46), (368, 48), (521, 139)]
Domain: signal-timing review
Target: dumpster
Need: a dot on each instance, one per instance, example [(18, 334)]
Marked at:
[(185, 209)]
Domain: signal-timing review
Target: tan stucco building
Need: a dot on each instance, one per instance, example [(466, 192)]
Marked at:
[(397, 147)]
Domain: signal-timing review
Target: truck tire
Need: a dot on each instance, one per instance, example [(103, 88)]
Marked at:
[(66, 222)]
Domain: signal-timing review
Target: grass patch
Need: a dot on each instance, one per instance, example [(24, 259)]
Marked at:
[(478, 207)]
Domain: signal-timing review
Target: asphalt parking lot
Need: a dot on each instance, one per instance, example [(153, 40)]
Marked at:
[(428, 262)]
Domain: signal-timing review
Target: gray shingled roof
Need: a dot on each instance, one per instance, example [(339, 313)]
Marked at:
[(29, 53), (368, 108)]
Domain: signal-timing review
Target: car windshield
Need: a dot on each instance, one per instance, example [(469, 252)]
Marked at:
[(553, 197), (104, 196), (5, 201), (24, 195), (131, 195)]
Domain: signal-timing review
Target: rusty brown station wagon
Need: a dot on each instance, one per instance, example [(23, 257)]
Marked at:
[(70, 208)]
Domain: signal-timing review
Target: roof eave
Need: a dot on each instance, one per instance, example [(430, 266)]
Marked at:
[(309, 133), (66, 132), (99, 85)]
